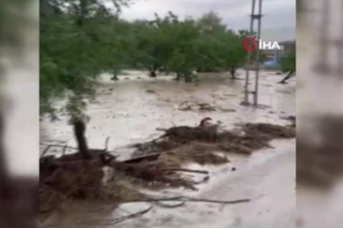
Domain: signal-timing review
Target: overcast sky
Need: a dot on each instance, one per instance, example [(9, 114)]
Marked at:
[(278, 22)]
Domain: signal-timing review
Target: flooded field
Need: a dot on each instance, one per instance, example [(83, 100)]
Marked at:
[(129, 111), (132, 108)]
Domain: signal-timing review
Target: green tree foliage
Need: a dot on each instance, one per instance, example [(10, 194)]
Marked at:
[(80, 39), (288, 65), (287, 62)]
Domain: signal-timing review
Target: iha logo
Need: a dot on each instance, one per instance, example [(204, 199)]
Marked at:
[(251, 44)]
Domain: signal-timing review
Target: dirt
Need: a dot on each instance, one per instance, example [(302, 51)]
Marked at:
[(256, 137), (130, 115), (71, 177), (64, 178)]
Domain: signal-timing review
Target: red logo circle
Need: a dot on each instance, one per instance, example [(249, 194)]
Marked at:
[(250, 44)]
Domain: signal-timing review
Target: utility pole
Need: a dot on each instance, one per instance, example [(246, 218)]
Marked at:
[(253, 17), (247, 71), (257, 60)]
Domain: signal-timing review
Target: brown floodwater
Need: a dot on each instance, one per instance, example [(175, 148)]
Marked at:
[(130, 110)]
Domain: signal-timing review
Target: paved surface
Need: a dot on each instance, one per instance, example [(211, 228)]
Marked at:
[(268, 178)]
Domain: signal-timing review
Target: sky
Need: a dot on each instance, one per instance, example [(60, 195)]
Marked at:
[(278, 22)]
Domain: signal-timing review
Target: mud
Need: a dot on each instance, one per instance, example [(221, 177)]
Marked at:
[(70, 176), (129, 115)]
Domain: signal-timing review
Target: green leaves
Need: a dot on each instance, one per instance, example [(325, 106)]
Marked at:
[(288, 61), (79, 40), (82, 38)]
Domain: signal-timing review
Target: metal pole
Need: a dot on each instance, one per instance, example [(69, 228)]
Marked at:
[(258, 53), (246, 86)]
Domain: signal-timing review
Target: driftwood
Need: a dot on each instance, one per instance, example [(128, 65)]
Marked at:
[(159, 162), (138, 159), (187, 171), (189, 199), (110, 222)]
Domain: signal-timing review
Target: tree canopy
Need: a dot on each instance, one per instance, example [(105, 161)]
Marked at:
[(82, 38), (288, 65), (288, 61)]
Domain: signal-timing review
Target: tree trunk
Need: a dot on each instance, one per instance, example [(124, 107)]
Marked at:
[(153, 71), (289, 75), (233, 73), (178, 77), (79, 132), (115, 75), (188, 77)]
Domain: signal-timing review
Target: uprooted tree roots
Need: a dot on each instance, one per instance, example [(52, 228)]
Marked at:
[(257, 136), (159, 161)]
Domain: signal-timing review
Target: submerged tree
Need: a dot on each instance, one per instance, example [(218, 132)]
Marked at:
[(287, 63), (80, 39), (74, 51)]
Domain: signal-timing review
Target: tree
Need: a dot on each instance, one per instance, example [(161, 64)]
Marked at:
[(82, 38), (211, 23), (184, 56), (236, 54), (154, 42), (287, 63), (74, 51)]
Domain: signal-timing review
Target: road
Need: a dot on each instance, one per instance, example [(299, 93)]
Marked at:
[(268, 178)]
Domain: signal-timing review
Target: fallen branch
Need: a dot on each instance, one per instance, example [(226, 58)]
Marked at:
[(64, 150), (219, 201), (111, 222), (204, 180), (189, 199), (45, 151), (187, 171), (171, 205), (57, 145), (106, 143), (153, 156), (140, 213)]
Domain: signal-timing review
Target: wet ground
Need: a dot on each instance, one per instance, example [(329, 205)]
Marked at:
[(131, 109)]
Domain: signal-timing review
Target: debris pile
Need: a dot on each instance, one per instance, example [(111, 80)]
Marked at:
[(188, 106), (156, 163), (68, 177), (257, 136), (201, 106)]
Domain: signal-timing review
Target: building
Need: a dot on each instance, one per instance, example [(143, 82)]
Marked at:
[(276, 54), (273, 56)]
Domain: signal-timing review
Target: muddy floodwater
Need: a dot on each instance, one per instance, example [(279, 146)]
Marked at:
[(129, 111)]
